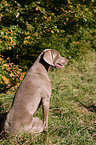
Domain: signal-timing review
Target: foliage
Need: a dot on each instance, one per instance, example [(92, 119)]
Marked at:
[(28, 27), (10, 75)]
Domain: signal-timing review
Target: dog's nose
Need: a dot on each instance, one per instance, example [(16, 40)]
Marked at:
[(67, 60)]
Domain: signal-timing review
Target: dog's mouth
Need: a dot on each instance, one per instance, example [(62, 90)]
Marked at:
[(60, 66)]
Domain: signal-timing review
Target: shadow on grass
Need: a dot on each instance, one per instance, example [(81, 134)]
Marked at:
[(91, 108), (2, 117), (2, 120)]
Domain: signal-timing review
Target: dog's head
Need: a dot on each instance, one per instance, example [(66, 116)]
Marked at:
[(53, 58)]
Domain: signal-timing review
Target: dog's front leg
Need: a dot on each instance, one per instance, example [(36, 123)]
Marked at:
[(45, 104)]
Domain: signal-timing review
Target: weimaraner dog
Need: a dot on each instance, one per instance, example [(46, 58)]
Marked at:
[(34, 90)]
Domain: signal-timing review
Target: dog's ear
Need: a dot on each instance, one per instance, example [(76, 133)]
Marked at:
[(48, 57)]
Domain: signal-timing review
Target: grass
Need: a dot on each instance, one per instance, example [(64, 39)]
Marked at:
[(72, 113)]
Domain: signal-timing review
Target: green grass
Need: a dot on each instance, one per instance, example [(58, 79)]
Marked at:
[(72, 113)]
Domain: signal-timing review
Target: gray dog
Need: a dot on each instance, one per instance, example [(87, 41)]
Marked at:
[(34, 90)]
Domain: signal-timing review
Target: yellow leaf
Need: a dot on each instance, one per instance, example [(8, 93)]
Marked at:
[(25, 41), (7, 58), (64, 23), (53, 14), (28, 37), (9, 48), (69, 2), (67, 19), (62, 9), (70, 6), (6, 64), (6, 81), (11, 75), (37, 8), (9, 92), (45, 17), (18, 84), (52, 31), (23, 73)]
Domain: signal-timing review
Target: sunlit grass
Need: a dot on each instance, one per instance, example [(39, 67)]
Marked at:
[(72, 113)]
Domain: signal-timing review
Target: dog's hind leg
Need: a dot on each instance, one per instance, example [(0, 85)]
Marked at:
[(37, 125)]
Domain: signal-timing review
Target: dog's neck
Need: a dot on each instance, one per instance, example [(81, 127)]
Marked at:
[(46, 65)]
